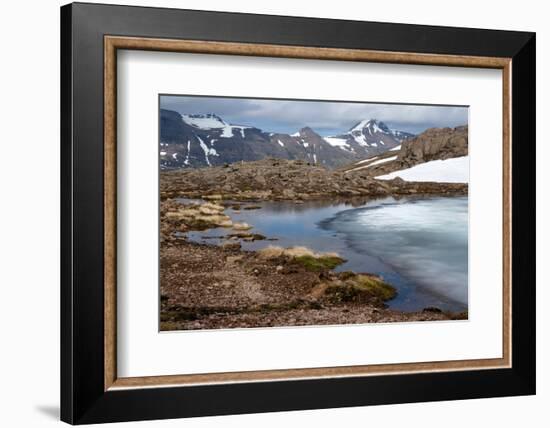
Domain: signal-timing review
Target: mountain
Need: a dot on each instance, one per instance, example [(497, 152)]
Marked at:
[(368, 138), (402, 135), (199, 140), (434, 144), (206, 140)]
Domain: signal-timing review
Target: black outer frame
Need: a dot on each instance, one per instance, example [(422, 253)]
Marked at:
[(83, 399)]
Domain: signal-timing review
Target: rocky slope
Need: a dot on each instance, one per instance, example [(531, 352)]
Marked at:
[(432, 144), (191, 141), (280, 179)]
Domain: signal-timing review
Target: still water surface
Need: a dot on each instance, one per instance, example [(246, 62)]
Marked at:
[(419, 245)]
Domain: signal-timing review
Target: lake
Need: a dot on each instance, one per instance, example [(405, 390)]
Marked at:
[(417, 244)]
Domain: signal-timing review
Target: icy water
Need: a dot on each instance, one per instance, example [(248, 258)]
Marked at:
[(419, 245)]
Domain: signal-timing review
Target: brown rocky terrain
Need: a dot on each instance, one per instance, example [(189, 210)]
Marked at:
[(207, 286), (223, 286), (432, 144), (280, 179)]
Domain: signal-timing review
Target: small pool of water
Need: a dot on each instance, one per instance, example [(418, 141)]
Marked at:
[(417, 244)]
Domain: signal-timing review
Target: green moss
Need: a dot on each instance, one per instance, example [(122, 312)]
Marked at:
[(346, 275), (318, 264), (360, 288), (375, 286)]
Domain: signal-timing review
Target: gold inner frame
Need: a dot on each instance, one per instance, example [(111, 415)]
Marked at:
[(113, 43)]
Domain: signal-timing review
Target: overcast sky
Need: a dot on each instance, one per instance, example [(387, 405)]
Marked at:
[(326, 118)]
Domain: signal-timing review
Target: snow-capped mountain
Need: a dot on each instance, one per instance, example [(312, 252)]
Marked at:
[(213, 122), (199, 140), (435, 145), (369, 137)]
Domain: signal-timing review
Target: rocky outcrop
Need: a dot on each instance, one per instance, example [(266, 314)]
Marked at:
[(432, 144), (279, 179)]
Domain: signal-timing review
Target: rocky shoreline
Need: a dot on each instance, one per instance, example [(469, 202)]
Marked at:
[(223, 286)]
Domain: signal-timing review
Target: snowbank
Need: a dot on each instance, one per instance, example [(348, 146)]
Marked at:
[(377, 162), (455, 170)]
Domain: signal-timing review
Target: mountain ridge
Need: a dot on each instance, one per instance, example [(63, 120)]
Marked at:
[(203, 140)]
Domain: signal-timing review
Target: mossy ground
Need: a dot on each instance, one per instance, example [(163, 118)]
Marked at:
[(360, 288), (375, 285), (318, 264)]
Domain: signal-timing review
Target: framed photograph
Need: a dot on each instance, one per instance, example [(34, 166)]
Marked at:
[(266, 213)]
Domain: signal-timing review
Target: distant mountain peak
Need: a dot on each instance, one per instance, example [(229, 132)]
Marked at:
[(307, 131), (368, 136), (372, 126)]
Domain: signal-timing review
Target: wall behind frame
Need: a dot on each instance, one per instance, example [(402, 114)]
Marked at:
[(29, 226)]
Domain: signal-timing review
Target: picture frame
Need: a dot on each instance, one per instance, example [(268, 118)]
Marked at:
[(91, 390)]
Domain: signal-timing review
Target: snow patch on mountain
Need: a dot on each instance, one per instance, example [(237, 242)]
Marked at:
[(207, 151), (359, 126), (453, 170), (377, 162), (373, 126), (368, 136), (337, 142), (367, 160), (186, 161), (359, 139), (204, 121), (212, 121), (239, 128)]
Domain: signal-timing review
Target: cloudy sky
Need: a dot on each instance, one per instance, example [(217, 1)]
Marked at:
[(326, 118)]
